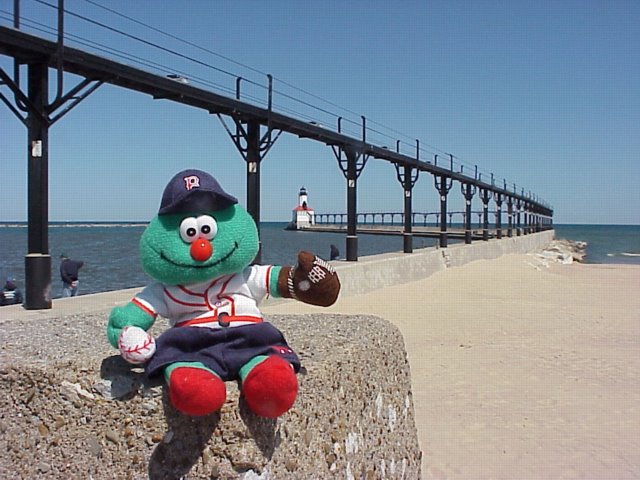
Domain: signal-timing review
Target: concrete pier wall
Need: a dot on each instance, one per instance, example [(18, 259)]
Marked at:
[(378, 271)]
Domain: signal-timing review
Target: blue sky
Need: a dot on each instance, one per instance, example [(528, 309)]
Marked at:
[(544, 94)]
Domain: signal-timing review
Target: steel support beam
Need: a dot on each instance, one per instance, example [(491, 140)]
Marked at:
[(510, 216), (485, 196), (352, 205), (253, 160), (498, 199), (351, 162), (468, 190), (38, 260), (407, 177), (407, 234), (443, 185)]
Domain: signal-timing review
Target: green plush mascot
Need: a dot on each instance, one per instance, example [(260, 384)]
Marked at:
[(199, 249)]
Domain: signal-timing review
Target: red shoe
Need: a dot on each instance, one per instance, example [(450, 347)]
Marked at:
[(196, 392), (271, 387)]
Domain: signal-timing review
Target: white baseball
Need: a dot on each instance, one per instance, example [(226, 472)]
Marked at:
[(136, 346)]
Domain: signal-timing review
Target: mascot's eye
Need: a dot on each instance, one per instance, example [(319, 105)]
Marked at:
[(207, 227), (189, 229)]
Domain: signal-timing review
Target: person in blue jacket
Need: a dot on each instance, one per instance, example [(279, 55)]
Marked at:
[(69, 275)]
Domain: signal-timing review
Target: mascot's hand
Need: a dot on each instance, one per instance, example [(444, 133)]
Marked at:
[(312, 280), (124, 316)]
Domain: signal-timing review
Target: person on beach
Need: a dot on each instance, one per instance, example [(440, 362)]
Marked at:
[(69, 275), (334, 253), (10, 294)]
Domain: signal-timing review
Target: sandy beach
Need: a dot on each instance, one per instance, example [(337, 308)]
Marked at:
[(519, 369)]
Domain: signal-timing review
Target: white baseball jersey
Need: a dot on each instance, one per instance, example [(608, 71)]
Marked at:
[(201, 304)]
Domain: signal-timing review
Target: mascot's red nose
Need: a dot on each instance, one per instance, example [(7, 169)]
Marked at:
[(201, 250)]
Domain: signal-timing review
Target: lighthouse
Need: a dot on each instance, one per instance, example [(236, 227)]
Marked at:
[(303, 214)]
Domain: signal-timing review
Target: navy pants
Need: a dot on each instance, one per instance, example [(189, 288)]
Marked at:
[(224, 350)]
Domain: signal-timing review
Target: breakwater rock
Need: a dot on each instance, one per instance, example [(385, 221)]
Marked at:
[(72, 408), (564, 251)]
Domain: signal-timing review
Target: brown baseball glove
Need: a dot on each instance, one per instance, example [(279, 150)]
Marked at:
[(313, 280)]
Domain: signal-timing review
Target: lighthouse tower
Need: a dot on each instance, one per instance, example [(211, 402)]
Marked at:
[(303, 214)]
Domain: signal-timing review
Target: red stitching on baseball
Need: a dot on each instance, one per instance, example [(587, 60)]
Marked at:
[(140, 348)]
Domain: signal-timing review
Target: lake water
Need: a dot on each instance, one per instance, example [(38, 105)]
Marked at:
[(110, 251)]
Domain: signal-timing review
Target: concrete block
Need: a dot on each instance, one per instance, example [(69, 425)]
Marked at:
[(72, 408)]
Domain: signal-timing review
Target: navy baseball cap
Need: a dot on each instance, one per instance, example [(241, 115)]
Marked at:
[(192, 191)]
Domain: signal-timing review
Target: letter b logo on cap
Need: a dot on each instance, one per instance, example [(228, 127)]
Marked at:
[(192, 181)]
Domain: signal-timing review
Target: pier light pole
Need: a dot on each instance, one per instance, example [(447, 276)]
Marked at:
[(468, 190), (485, 196), (253, 173), (38, 259), (351, 163), (408, 181), (352, 205), (510, 216), (253, 144), (498, 198), (407, 177), (443, 185), (40, 117)]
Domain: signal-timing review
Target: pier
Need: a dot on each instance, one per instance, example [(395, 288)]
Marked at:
[(423, 224), (426, 232), (253, 129)]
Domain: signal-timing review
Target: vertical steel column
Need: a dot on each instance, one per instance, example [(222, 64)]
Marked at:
[(407, 176), (253, 146), (525, 228), (486, 195), (443, 186), (352, 207), (443, 217), (498, 198), (468, 190), (407, 234), (351, 168), (510, 216), (38, 260), (253, 178), (518, 212)]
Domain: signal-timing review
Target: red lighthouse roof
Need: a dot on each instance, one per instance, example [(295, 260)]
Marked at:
[(301, 208)]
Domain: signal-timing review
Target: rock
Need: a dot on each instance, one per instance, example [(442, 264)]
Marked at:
[(112, 436), (563, 251), (94, 446), (73, 391)]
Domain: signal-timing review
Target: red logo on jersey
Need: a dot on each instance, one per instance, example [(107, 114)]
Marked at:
[(192, 181)]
